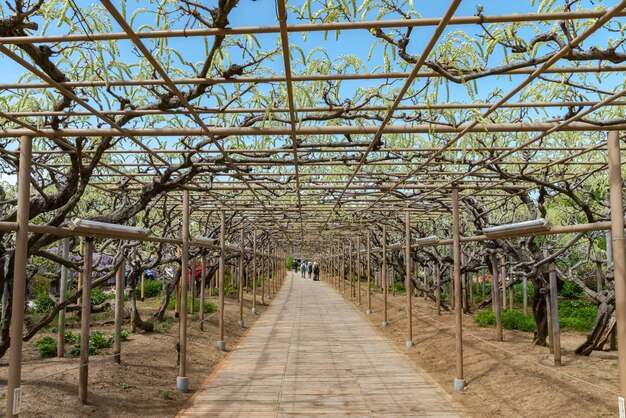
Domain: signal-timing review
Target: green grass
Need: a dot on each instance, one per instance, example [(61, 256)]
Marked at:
[(575, 315), (209, 307)]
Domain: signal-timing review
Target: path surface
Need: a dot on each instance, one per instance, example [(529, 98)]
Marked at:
[(313, 354)]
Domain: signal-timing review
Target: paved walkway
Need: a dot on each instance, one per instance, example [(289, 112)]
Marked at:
[(313, 354)]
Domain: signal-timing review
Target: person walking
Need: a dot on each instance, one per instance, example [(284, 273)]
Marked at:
[(310, 268), (294, 266), (316, 272), (303, 269)]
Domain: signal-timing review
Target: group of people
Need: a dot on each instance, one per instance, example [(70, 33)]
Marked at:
[(312, 268)]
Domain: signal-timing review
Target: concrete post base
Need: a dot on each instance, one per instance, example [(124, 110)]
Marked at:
[(240, 324), (369, 312), (221, 345), (253, 311), (385, 324), (459, 384), (182, 384), (409, 344)]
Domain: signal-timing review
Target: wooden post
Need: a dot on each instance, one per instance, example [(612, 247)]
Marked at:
[(369, 275), (263, 270), (502, 281), (525, 294), (65, 253), (221, 344), (407, 265), (495, 297), (182, 381), (358, 269), (484, 287), (554, 308), (619, 253), (254, 272), (79, 283), (241, 254), (119, 312), (459, 381), (350, 270), (143, 279), (438, 289), (83, 371), (546, 296), (202, 289), (192, 284), (18, 295), (383, 275)]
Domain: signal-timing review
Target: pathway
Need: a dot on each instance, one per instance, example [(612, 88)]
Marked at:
[(313, 354)]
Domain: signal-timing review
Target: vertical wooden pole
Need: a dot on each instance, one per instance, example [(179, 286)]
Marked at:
[(459, 381), (143, 279), (202, 289), (438, 289), (511, 281), (556, 329), (254, 272), (546, 296), (359, 269), (119, 312), (383, 275), (503, 281), (263, 273), (18, 295), (182, 381), (83, 371), (525, 294), (369, 275), (407, 285), (351, 271), (241, 255), (65, 253), (484, 287), (79, 284), (221, 344), (495, 297)]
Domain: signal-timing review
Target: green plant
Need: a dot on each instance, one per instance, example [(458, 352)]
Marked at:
[(99, 341), (98, 297), (398, 287), (124, 335), (229, 290), (151, 288), (69, 337), (162, 327), (209, 306), (571, 290), (76, 348), (510, 320), (43, 303), (124, 386), (46, 347), (577, 315), (166, 395)]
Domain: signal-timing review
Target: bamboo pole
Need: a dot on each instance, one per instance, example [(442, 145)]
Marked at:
[(407, 264), (119, 312), (495, 297), (369, 274), (221, 344), (619, 255), (351, 272), (65, 253), (241, 254), (14, 390), (254, 272), (359, 269), (383, 275), (459, 381), (438, 288), (143, 279), (202, 290), (182, 381), (83, 371)]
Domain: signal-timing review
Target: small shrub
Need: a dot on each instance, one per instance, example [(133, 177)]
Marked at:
[(76, 349), (229, 290), (69, 337), (577, 315), (43, 303), (398, 287), (571, 290), (510, 320), (162, 327), (151, 288), (99, 341), (46, 347), (98, 297), (209, 306), (485, 318), (124, 386), (124, 335)]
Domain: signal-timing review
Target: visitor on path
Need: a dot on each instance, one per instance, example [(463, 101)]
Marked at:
[(294, 266), (310, 268), (303, 269), (316, 272)]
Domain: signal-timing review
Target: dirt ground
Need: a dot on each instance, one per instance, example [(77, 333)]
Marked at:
[(144, 385), (510, 379)]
